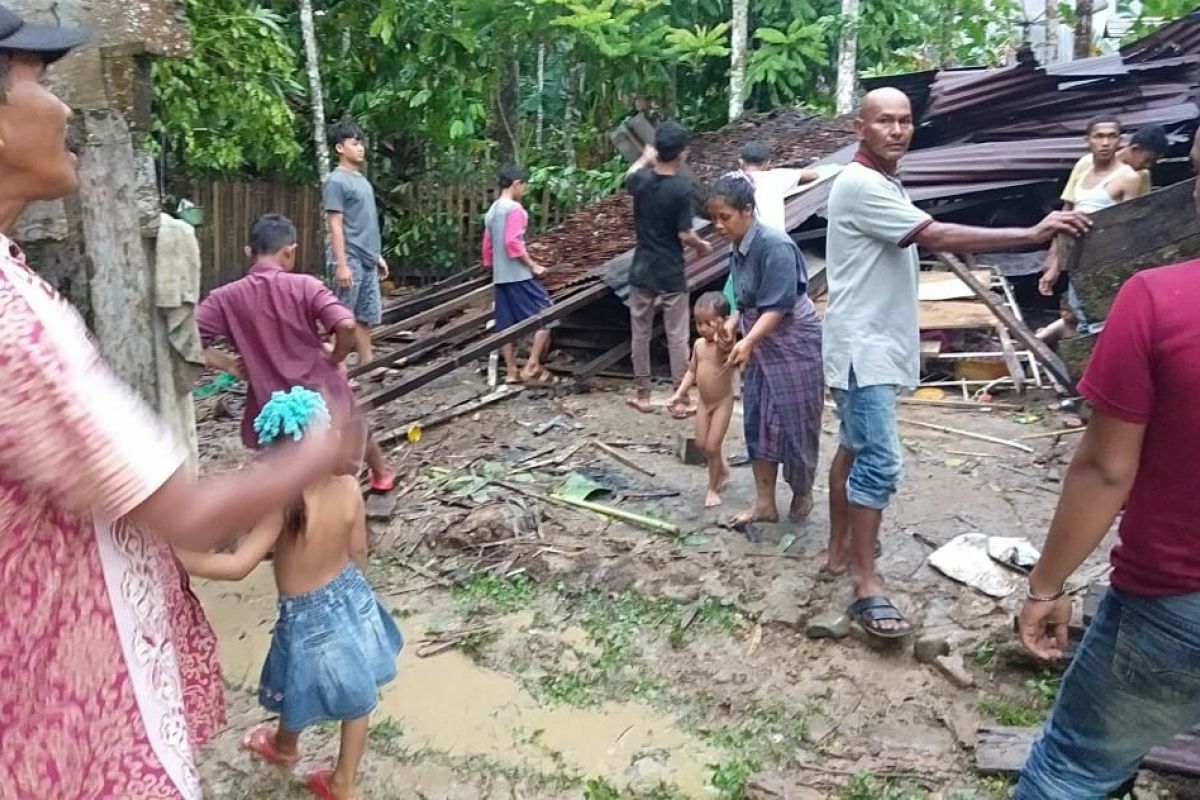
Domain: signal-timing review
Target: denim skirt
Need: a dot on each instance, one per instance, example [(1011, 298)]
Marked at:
[(331, 651)]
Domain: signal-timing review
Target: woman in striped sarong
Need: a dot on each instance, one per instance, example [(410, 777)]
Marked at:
[(779, 350)]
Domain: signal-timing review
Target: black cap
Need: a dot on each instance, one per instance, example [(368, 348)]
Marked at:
[(51, 42)]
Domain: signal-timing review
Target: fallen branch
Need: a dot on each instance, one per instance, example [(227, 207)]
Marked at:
[(621, 458), (656, 525), (452, 413), (963, 404), (1052, 434), (968, 434)]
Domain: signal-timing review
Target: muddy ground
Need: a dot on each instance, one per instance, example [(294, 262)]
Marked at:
[(609, 662)]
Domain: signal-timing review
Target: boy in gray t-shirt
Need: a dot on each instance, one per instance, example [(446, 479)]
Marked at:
[(356, 256), (518, 294)]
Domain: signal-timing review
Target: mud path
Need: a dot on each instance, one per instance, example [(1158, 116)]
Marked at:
[(624, 664)]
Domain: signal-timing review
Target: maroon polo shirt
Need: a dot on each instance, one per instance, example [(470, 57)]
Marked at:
[(1146, 371), (278, 322)]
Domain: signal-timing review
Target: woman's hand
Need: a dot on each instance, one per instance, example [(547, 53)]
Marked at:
[(739, 355), (729, 329)]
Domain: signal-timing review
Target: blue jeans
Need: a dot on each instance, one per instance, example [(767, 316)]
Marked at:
[(867, 417), (1134, 684)]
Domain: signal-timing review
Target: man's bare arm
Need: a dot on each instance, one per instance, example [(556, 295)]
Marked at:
[(948, 237), (344, 339), (691, 239)]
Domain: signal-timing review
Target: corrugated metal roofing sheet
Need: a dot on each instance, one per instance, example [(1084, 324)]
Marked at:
[(1180, 37)]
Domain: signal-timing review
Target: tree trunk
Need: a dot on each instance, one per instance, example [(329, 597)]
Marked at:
[(1052, 22), (737, 58), (539, 130), (1083, 28), (847, 57), (507, 111), (316, 89), (571, 95)]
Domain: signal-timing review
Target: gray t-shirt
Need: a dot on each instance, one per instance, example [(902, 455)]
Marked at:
[(505, 225), (871, 320), (352, 195), (768, 270)]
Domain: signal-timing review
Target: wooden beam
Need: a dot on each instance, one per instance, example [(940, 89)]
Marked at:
[(433, 314), (611, 356), (1155, 229), (1004, 750), (487, 345), (433, 295), (404, 354), (1048, 358)]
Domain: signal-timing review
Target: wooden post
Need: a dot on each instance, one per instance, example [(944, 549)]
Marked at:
[(1026, 337), (120, 284)]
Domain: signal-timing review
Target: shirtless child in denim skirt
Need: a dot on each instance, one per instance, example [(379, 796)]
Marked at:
[(334, 645)]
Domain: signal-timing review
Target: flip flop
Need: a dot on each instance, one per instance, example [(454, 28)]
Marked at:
[(258, 740), (869, 611), (317, 782), (827, 575), (383, 483)]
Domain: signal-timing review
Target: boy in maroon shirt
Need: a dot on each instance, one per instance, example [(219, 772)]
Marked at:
[(279, 322), (1135, 681)]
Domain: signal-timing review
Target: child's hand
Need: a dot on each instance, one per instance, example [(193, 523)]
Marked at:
[(538, 270)]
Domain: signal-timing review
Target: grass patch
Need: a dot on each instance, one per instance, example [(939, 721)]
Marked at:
[(983, 655), (385, 737), (729, 778), (1026, 711), (602, 789), (617, 626), (867, 786), (486, 591), (767, 735)]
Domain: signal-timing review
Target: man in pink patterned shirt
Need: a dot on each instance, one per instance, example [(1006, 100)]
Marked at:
[(108, 671)]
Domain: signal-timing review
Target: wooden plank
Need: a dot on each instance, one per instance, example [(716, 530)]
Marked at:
[(433, 314), (1015, 370), (404, 354), (487, 345), (1047, 357), (1156, 229), (436, 293), (1004, 750), (612, 356)]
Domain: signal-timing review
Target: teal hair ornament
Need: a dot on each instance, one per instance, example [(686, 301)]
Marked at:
[(290, 413)]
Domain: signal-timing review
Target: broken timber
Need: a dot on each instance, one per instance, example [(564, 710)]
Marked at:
[(1153, 230), (435, 313), (1053, 364), (439, 292), (486, 345), (1003, 750)]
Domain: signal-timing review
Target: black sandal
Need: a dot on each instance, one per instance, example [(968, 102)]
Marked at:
[(868, 611)]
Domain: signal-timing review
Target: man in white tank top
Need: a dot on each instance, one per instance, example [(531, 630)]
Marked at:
[(1100, 179)]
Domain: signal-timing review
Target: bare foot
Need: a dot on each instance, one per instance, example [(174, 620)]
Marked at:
[(756, 514), (723, 475), (641, 403), (712, 499), (512, 376), (802, 506)]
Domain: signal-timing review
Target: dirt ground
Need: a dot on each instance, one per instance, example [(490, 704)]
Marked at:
[(606, 661)]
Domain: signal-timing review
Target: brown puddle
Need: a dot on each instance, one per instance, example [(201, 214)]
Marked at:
[(450, 704)]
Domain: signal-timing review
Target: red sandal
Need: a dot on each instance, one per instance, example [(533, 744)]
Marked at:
[(260, 742), (317, 782)]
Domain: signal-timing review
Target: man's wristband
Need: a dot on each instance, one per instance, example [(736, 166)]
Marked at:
[(1042, 598)]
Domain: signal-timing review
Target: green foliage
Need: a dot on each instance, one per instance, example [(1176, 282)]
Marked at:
[(1149, 14), (866, 786), (229, 108), (788, 62), (729, 778), (486, 591), (1027, 710)]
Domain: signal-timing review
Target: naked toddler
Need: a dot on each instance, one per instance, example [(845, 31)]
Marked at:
[(713, 378)]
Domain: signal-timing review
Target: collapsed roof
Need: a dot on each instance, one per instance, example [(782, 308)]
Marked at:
[(1007, 135)]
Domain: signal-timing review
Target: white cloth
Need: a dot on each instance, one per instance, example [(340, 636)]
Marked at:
[(871, 264), (771, 187), (1089, 201)]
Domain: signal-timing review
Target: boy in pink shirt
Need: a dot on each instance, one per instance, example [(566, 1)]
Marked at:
[(279, 323), (518, 294)]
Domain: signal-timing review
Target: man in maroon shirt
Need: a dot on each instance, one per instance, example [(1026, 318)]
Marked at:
[(279, 323), (1135, 681)]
